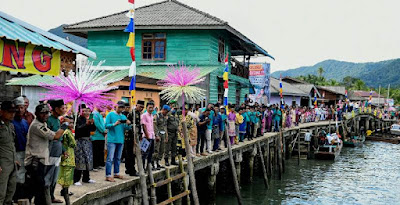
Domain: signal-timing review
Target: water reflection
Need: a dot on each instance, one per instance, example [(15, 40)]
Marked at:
[(366, 175)]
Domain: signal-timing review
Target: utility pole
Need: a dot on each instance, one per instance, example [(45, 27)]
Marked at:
[(388, 92), (379, 96)]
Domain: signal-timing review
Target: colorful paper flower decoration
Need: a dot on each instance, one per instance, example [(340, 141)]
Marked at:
[(87, 85), (180, 82)]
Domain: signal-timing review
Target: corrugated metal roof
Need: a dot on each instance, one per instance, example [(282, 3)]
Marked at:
[(14, 29), (170, 14), (287, 88), (363, 93), (155, 72), (306, 88), (335, 89)]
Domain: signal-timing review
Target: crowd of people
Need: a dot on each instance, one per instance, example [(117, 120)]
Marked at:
[(39, 150)]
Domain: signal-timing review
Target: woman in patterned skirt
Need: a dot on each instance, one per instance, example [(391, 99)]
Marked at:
[(67, 165), (84, 147)]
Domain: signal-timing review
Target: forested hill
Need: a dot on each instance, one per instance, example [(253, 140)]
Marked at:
[(373, 74)]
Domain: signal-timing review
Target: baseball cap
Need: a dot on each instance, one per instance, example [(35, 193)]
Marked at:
[(121, 104), (166, 107), (19, 101)]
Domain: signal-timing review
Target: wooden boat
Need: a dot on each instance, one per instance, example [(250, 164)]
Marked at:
[(378, 138), (328, 152), (395, 129), (355, 141)]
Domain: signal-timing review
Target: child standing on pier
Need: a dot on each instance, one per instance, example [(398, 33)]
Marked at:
[(232, 124), (242, 124)]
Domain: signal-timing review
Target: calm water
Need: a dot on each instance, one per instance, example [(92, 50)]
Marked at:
[(367, 175)]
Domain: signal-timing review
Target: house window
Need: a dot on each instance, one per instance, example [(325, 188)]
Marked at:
[(153, 46), (237, 96), (221, 50), (220, 91)]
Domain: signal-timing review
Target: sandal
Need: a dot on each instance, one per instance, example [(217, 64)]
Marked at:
[(57, 201), (110, 179), (118, 177)]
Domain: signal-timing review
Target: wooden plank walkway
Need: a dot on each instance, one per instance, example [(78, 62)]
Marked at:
[(103, 189)]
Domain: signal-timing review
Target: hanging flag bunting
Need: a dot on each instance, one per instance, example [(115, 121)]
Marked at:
[(225, 77), (281, 91), (370, 97), (347, 99), (131, 44)]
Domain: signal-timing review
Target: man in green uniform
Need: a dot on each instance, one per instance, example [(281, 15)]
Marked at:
[(8, 181), (160, 130), (172, 127)]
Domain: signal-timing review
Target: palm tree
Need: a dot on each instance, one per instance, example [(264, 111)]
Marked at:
[(359, 85), (320, 71), (333, 82)]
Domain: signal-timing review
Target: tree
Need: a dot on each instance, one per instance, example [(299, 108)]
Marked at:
[(333, 82), (320, 71), (348, 81), (359, 85)]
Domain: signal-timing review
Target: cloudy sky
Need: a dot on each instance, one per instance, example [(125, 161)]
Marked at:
[(296, 33)]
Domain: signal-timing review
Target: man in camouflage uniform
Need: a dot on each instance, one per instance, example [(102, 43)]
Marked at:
[(8, 169), (172, 127), (160, 130)]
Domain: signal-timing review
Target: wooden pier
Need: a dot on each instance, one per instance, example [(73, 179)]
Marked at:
[(127, 191)]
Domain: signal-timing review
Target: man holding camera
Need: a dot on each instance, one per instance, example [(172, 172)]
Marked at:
[(204, 120), (116, 123)]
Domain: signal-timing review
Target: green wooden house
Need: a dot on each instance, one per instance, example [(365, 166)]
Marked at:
[(170, 32)]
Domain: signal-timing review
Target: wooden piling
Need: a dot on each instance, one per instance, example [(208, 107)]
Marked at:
[(329, 127), (169, 188), (276, 156), (251, 163), (190, 167), (298, 147), (283, 153), (268, 158), (279, 155), (234, 175), (153, 197), (185, 182), (138, 154), (263, 166)]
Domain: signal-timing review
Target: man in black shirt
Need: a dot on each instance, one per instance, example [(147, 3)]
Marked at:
[(201, 131), (129, 140)]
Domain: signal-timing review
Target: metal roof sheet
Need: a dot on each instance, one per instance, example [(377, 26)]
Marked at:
[(335, 89), (14, 29), (287, 88)]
